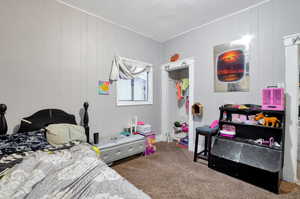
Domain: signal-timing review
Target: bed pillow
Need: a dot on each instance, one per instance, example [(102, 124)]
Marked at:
[(59, 134)]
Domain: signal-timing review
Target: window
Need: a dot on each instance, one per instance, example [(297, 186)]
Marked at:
[(137, 91)]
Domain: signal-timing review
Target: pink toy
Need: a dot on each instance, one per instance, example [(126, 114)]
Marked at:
[(150, 147), (185, 127), (140, 123), (214, 124), (273, 99)]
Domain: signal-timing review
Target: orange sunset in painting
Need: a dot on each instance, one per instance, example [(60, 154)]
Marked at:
[(231, 66)]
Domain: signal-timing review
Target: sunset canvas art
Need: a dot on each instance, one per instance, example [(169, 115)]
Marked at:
[(231, 68)]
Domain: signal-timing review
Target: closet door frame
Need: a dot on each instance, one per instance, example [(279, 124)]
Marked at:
[(185, 63), (292, 61)]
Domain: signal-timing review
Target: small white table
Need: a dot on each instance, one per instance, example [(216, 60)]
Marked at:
[(117, 148)]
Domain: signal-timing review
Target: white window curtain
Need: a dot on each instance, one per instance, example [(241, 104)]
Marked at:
[(123, 68)]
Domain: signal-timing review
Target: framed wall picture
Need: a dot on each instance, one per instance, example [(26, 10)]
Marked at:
[(231, 66), (103, 87)]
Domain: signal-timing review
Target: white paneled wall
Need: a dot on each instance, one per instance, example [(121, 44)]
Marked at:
[(52, 56), (268, 24)]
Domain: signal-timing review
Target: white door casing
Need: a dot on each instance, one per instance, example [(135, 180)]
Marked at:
[(292, 43), (185, 63)]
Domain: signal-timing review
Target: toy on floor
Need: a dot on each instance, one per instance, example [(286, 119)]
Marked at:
[(150, 141), (146, 131), (267, 121)]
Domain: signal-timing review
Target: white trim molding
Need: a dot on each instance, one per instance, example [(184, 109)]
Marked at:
[(291, 40), (188, 63), (106, 20), (292, 61), (218, 19), (171, 37)]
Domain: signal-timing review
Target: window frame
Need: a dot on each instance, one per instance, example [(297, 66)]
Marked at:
[(149, 101)]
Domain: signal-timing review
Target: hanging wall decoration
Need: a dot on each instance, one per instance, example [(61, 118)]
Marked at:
[(103, 87), (231, 66)]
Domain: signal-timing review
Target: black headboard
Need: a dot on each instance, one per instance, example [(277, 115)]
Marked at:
[(43, 118), (3, 124)]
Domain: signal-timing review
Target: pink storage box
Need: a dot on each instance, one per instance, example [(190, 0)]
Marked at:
[(273, 99)]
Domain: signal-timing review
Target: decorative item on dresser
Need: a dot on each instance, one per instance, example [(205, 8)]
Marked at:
[(3, 124)]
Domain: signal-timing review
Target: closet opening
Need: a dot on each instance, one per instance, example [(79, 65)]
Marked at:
[(177, 99)]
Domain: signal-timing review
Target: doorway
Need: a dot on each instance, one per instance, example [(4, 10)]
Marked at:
[(172, 107)]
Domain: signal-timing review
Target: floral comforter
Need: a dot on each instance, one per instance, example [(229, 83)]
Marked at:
[(72, 173)]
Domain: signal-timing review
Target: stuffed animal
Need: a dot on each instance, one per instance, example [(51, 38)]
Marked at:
[(268, 120)]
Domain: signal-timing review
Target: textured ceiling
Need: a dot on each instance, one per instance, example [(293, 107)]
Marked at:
[(162, 20)]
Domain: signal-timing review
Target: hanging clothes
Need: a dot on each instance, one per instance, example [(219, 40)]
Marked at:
[(182, 88), (179, 92), (185, 84)]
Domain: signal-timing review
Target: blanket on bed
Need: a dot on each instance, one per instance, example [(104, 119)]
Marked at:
[(23, 142), (14, 147), (71, 173)]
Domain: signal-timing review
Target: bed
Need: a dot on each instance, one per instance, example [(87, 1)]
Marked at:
[(70, 171)]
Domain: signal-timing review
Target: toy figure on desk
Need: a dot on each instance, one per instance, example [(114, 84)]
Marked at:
[(267, 120)]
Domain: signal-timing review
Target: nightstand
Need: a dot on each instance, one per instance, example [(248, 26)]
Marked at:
[(117, 148)]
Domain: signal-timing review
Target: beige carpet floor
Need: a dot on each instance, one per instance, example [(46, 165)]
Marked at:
[(170, 173)]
